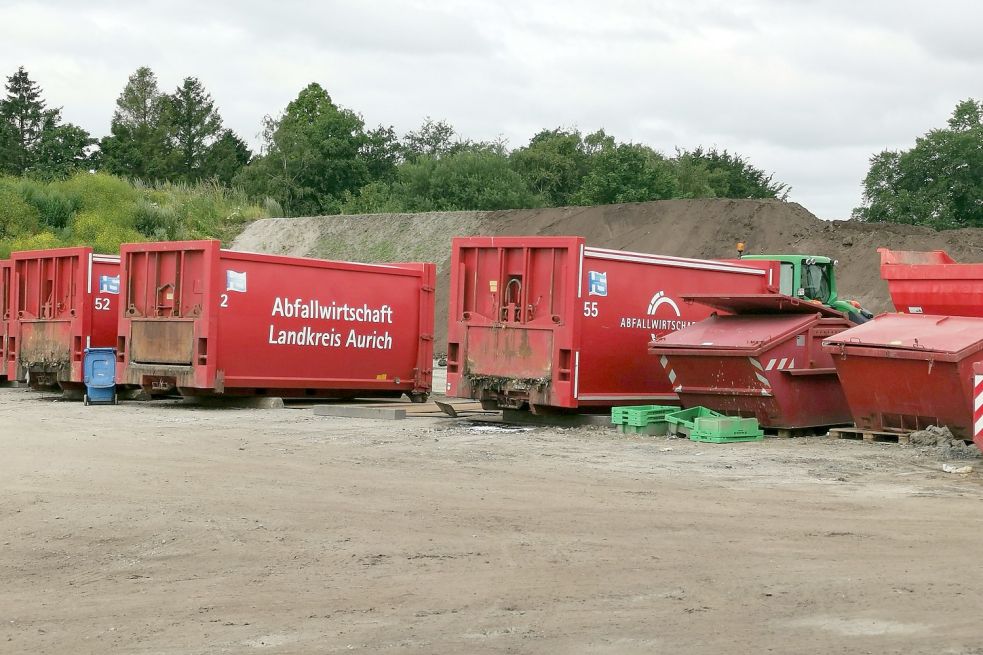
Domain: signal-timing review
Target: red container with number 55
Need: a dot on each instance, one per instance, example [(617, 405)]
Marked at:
[(551, 324)]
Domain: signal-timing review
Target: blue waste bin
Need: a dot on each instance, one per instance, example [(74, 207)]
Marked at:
[(99, 369)]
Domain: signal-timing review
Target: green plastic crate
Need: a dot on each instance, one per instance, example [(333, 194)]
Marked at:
[(640, 415), (656, 429), (725, 429), (686, 419)]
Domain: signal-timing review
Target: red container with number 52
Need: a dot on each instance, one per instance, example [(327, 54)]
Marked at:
[(61, 301)]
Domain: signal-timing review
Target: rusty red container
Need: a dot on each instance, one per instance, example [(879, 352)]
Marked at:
[(5, 362), (200, 320), (62, 300), (932, 283), (547, 323), (768, 366), (906, 372)]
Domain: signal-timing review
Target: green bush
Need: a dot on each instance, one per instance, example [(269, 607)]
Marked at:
[(103, 211), (55, 207), (17, 217)]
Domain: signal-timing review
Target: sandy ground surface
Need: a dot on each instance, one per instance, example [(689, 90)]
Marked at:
[(172, 529)]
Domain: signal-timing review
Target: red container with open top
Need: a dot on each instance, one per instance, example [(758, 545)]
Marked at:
[(62, 300), (766, 361), (932, 283), (547, 323), (6, 365), (906, 372), (201, 320)]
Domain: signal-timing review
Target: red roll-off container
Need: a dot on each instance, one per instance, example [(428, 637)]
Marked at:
[(906, 372), (201, 320), (770, 366), (932, 283), (6, 365), (62, 300), (548, 323)]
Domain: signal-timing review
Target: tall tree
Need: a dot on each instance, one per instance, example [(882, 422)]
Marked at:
[(625, 172), (712, 173), (33, 139), (193, 125), (473, 179), (23, 111), (553, 164), (138, 143), (62, 148), (226, 157), (434, 139), (314, 154), (938, 182)]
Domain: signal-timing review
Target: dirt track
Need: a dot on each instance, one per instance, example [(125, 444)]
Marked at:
[(170, 529)]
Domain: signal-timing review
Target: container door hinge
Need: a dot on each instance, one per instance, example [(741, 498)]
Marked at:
[(426, 337)]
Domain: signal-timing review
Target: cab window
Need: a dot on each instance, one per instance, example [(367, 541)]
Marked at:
[(786, 279), (815, 282)]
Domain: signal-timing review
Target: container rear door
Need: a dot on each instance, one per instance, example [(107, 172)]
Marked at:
[(4, 313), (50, 296), (164, 298), (514, 303)]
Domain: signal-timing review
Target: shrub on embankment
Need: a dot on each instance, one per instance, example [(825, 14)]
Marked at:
[(103, 211)]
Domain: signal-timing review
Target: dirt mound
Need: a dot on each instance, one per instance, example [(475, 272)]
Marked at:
[(687, 228), (372, 238), (940, 442)]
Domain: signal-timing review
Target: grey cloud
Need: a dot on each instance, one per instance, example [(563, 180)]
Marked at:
[(806, 89)]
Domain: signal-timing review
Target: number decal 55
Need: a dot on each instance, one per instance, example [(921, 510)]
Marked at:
[(590, 309)]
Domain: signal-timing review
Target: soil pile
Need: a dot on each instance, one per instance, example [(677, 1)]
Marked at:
[(942, 444), (686, 228)]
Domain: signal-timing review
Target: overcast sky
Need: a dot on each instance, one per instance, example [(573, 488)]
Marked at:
[(806, 89)]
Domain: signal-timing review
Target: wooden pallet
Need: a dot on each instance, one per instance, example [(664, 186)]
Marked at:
[(789, 433), (902, 438)]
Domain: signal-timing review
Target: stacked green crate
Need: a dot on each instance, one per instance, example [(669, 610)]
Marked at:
[(726, 429), (642, 419)]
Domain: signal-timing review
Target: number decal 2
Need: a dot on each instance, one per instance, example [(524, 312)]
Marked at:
[(224, 300)]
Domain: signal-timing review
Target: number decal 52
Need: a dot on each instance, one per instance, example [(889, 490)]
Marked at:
[(103, 304)]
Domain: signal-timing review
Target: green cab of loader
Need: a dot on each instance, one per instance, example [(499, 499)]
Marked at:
[(812, 277)]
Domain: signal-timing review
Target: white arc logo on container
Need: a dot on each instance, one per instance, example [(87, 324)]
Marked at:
[(660, 299), (657, 301)]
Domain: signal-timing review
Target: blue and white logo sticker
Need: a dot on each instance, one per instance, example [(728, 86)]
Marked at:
[(109, 284), (597, 283), (235, 281)]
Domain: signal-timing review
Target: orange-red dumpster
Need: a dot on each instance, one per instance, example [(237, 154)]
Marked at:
[(766, 361), (932, 283), (902, 372)]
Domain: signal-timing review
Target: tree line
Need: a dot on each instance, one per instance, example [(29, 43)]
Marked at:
[(317, 157), (938, 182)]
